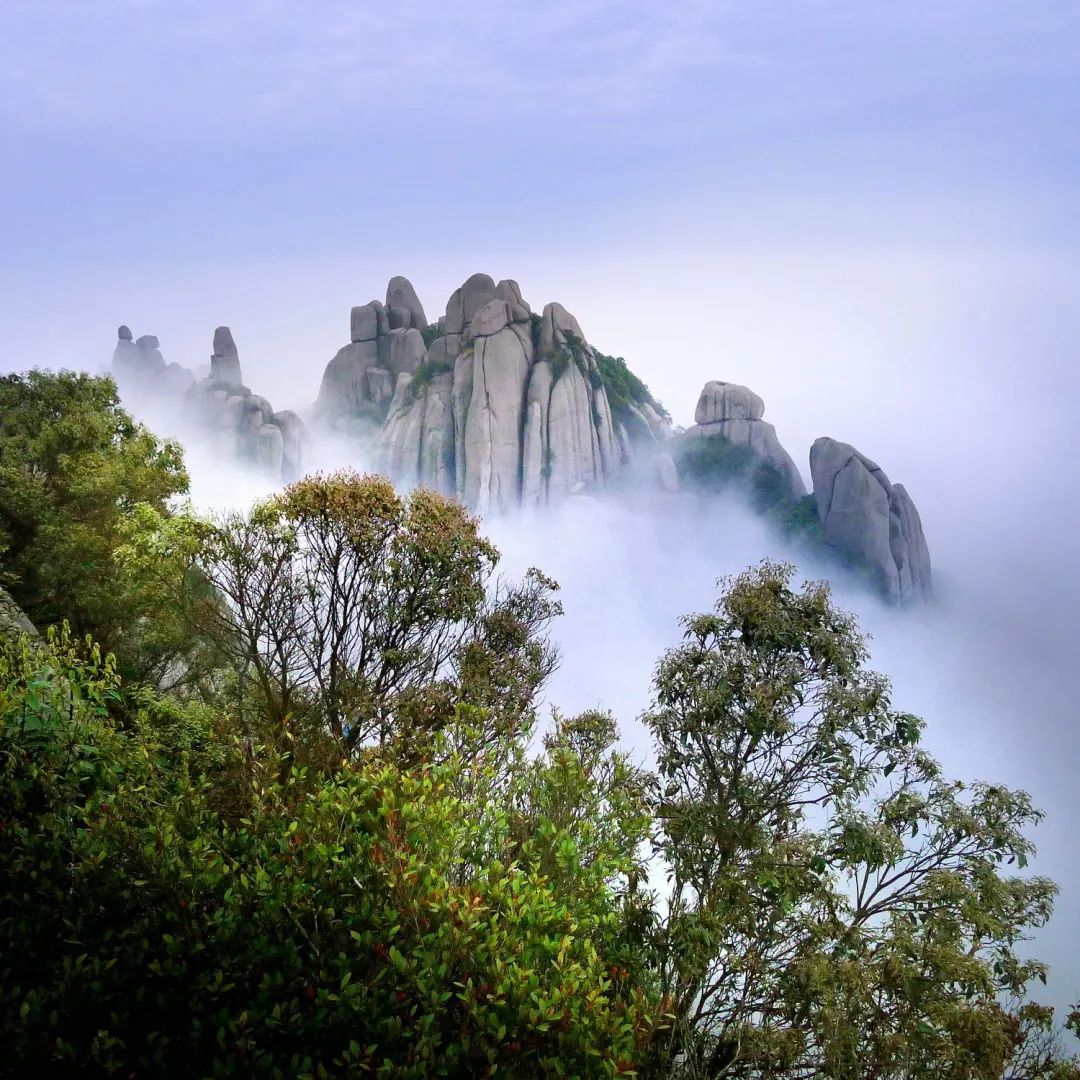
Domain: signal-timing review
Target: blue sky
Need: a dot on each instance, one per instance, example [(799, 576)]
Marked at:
[(867, 211), (278, 130)]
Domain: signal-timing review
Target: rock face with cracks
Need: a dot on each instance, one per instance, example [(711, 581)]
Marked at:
[(504, 408)]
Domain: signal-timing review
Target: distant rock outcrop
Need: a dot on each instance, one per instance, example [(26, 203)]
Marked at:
[(242, 425), (502, 408), (734, 413), (507, 408), (386, 341), (140, 369), (870, 520)]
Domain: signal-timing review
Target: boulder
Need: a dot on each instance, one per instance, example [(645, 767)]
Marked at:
[(137, 367), (345, 386), (720, 401), (268, 447), (536, 454), (436, 459), (573, 449), (294, 444), (175, 381), (225, 362), (13, 620), (380, 386), (490, 319), (489, 471), (467, 301), (869, 521), (732, 412), (404, 351), (364, 322), (510, 291), (399, 441), (403, 306)]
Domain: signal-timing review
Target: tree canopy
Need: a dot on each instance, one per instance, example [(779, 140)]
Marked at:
[(74, 466), (276, 800)]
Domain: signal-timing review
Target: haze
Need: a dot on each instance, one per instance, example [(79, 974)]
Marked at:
[(865, 212)]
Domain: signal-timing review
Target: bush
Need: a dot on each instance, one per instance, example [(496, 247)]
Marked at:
[(405, 923), (623, 387), (431, 334)]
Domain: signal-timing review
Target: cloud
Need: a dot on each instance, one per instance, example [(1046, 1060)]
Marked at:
[(198, 67)]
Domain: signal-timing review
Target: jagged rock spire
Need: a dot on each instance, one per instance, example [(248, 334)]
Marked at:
[(225, 361)]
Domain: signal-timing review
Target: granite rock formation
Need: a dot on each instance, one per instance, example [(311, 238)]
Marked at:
[(870, 520), (140, 369), (240, 424), (504, 408), (734, 413), (13, 620)]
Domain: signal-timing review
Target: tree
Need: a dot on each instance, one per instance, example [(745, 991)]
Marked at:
[(369, 615), (838, 908), (74, 467), (384, 921)]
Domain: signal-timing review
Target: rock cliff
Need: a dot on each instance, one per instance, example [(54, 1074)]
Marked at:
[(13, 621), (502, 408), (870, 520)]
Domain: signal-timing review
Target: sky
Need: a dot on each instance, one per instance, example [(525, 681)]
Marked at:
[(868, 212)]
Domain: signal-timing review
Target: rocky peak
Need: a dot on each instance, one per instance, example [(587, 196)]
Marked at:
[(241, 424), (403, 307), (225, 361), (720, 401), (507, 409), (869, 520), (734, 413)]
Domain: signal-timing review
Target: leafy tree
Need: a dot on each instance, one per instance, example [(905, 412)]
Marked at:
[(372, 615), (386, 921), (838, 908), (74, 467)]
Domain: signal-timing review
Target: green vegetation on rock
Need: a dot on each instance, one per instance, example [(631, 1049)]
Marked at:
[(623, 387), (431, 334), (425, 371)]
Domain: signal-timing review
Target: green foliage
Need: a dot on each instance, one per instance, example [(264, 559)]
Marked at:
[(462, 918), (431, 334), (623, 387), (536, 326), (74, 469), (715, 464), (838, 908), (333, 846), (570, 350), (352, 611), (426, 371)]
